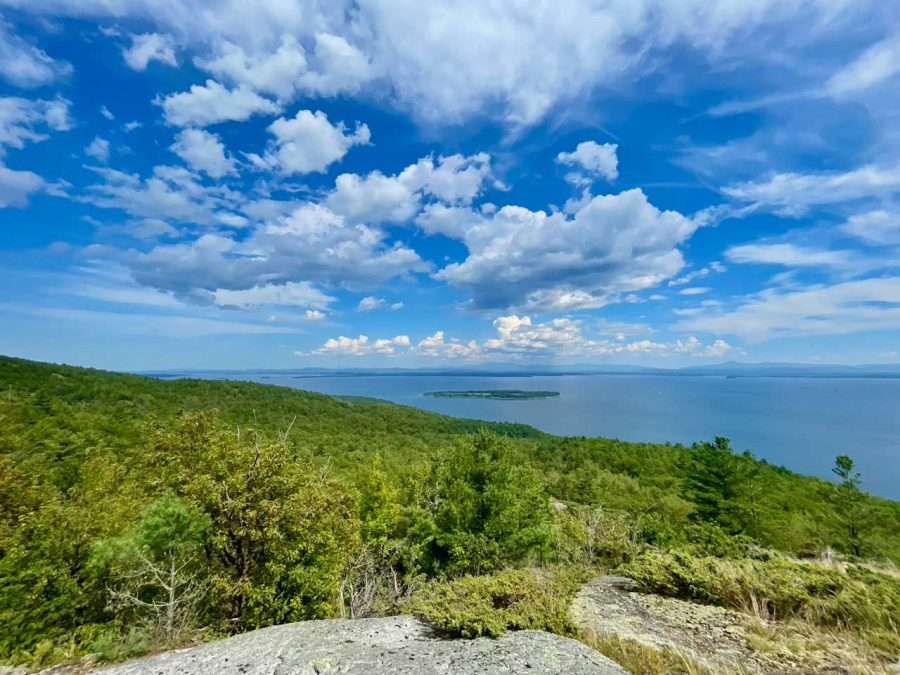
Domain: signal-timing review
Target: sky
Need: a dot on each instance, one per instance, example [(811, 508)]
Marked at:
[(285, 184)]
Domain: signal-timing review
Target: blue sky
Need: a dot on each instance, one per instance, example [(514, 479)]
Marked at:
[(286, 184)]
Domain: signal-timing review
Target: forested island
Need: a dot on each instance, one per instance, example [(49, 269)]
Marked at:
[(498, 394), (138, 514)]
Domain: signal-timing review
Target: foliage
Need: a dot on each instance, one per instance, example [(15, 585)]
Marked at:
[(286, 505), (280, 530), (851, 504), (472, 606), (488, 508), (154, 570)]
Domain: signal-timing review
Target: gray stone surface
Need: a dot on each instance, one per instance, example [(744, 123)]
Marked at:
[(717, 639), (399, 645)]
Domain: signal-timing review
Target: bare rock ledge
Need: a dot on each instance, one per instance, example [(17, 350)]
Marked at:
[(400, 645)]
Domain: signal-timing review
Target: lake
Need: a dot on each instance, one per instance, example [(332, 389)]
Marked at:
[(799, 423)]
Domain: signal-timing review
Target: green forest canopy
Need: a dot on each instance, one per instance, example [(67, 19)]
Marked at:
[(271, 501)]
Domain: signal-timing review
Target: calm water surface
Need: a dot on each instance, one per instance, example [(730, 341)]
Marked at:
[(800, 423)]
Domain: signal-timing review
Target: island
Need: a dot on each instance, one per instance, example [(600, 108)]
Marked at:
[(501, 394)]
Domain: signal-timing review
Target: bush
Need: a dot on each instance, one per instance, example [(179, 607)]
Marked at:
[(510, 600)]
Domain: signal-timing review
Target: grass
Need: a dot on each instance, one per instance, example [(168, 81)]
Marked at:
[(851, 599)]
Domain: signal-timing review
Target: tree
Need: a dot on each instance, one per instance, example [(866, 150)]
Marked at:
[(712, 482), (850, 502), (489, 507), (156, 569), (280, 529)]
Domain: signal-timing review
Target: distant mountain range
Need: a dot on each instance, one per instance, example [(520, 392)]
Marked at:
[(729, 369)]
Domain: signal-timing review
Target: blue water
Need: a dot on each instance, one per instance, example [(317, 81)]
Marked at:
[(799, 423)]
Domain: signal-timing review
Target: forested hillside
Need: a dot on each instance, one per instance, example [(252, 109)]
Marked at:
[(136, 512)]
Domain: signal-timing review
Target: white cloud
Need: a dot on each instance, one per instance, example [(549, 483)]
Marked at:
[(131, 126), (794, 194), (314, 315), (24, 65), (361, 346), (334, 67), (147, 47), (789, 255), (456, 179), (98, 149), (374, 198), (879, 227), (370, 303), (612, 246), (593, 159), (106, 113), (436, 346), (212, 103), (274, 72), (714, 267), (377, 198), (170, 193), (447, 63), (297, 294), (205, 152), (694, 290), (309, 143), (25, 121), (849, 307), (875, 65), (309, 244), (521, 337), (17, 186)]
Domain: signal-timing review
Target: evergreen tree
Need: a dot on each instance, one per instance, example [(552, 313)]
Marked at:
[(850, 503)]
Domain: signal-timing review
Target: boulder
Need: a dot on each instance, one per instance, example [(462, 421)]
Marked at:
[(401, 645)]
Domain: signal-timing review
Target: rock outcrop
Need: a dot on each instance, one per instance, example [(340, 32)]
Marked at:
[(718, 639), (399, 645)]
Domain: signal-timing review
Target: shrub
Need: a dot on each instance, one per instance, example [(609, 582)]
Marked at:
[(492, 604)]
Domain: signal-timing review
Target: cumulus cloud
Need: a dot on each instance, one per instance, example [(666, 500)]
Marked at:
[(204, 151), (309, 244), (613, 245), (147, 47), (370, 303), (362, 346), (848, 307), (437, 346), (376, 198), (518, 336), (211, 103), (98, 149), (591, 160), (314, 315), (284, 71), (24, 65), (308, 143)]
